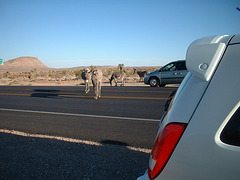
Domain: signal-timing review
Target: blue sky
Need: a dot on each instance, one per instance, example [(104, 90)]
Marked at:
[(70, 33)]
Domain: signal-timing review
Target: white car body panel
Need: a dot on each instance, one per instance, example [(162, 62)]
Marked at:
[(206, 101)]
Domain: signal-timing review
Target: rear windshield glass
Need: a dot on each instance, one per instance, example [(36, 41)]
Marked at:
[(231, 132), (181, 66)]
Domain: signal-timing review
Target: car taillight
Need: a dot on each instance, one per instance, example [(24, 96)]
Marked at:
[(163, 147)]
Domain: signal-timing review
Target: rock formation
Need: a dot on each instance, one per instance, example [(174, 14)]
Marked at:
[(23, 64)]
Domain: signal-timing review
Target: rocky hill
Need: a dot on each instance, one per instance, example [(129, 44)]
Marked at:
[(23, 64)]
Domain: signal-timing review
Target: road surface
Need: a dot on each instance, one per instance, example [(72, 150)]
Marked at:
[(123, 115)]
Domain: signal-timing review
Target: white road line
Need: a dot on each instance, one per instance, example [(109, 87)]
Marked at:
[(80, 115)]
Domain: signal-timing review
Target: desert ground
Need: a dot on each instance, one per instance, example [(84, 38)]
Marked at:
[(30, 71)]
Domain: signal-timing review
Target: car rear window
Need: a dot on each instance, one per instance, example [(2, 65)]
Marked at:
[(231, 132), (181, 66)]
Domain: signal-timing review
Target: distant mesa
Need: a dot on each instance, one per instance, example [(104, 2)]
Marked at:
[(23, 64)]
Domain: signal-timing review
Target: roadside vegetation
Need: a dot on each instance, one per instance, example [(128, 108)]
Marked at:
[(71, 76)]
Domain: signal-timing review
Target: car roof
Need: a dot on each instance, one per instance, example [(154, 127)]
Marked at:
[(177, 61)]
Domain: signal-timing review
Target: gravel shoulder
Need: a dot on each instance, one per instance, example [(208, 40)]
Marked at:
[(25, 157)]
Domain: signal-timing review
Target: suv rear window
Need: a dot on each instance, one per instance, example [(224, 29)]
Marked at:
[(181, 66), (231, 132)]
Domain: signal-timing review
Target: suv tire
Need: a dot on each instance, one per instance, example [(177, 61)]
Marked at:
[(154, 82)]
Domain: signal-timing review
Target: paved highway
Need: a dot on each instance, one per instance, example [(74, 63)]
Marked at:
[(123, 115)]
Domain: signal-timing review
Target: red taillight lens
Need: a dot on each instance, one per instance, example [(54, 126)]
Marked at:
[(163, 147)]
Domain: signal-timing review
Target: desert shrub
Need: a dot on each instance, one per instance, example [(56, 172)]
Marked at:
[(78, 73), (108, 73), (57, 74), (13, 82), (6, 74)]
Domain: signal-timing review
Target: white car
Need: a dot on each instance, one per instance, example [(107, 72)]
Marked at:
[(199, 135)]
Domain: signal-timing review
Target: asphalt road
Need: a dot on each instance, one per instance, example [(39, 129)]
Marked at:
[(123, 115)]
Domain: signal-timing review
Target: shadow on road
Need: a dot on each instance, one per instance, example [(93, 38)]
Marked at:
[(57, 94), (40, 158), (46, 93), (106, 142), (46, 90)]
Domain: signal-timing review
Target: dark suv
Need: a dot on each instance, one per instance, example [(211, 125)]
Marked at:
[(172, 73)]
